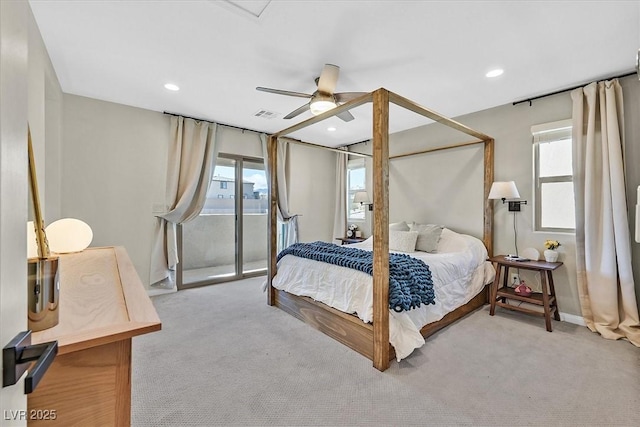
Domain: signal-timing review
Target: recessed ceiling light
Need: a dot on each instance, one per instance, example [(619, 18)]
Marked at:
[(171, 86), (495, 73), (331, 129)]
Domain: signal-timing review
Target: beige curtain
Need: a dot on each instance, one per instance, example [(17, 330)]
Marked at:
[(603, 245), (288, 221), (340, 215), (190, 162)]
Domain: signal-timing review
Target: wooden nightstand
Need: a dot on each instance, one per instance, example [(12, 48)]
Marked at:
[(546, 298), (349, 240), (103, 306)]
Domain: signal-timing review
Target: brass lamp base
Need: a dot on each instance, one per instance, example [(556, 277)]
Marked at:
[(44, 293)]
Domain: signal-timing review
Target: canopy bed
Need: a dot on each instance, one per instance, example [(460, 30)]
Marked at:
[(373, 339)]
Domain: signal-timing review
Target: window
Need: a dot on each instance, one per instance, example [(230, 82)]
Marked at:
[(223, 185), (555, 209), (356, 178)]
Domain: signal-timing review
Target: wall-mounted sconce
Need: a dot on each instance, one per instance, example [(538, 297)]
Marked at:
[(507, 190), (363, 198)]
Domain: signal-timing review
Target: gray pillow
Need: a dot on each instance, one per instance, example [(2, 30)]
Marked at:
[(428, 236), (399, 226)]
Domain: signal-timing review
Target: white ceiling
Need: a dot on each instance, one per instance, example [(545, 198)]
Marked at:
[(435, 53)]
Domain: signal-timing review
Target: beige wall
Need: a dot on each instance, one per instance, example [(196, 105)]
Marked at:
[(114, 171), (510, 125), (45, 122), (444, 187), (114, 160), (312, 186), (420, 186), (29, 94)]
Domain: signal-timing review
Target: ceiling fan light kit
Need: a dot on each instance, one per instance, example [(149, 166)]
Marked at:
[(321, 103)]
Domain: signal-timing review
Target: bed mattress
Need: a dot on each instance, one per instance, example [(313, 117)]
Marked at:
[(459, 272)]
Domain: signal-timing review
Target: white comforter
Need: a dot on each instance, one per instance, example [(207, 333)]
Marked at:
[(459, 271)]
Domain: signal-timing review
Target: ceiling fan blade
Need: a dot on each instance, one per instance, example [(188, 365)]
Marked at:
[(283, 92), (347, 96), (345, 116), (328, 78), (297, 112)]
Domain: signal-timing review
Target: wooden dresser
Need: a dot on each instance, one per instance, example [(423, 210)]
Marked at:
[(103, 304)]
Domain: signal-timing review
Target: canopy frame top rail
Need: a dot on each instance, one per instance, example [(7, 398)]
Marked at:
[(396, 99)]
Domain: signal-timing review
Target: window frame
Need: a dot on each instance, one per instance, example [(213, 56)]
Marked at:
[(238, 164), (353, 164), (547, 133)]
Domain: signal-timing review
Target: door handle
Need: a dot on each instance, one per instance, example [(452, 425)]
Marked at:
[(18, 355)]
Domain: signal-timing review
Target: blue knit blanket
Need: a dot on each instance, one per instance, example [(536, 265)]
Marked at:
[(410, 283)]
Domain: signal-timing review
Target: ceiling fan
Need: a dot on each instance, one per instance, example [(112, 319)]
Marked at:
[(322, 99)]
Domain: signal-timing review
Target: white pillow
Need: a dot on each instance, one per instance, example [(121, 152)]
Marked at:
[(428, 236), (399, 226), (402, 241), (450, 241)]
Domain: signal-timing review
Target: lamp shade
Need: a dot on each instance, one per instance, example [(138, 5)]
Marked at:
[(504, 190), (361, 197), (68, 235)]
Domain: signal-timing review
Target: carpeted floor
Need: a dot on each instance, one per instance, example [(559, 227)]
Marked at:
[(224, 357)]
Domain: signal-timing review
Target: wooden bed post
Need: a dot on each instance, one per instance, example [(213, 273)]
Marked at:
[(488, 204), (381, 229), (272, 150)]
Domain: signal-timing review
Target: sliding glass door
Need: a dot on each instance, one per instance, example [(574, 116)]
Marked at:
[(254, 217), (228, 240)]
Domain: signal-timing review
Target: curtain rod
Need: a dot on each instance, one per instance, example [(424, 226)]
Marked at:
[(266, 133), (211, 121), (323, 147), (529, 100)]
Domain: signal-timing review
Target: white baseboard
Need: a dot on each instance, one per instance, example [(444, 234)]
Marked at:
[(152, 291), (572, 318)]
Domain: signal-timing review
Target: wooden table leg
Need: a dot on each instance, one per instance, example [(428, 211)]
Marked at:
[(545, 301), (494, 290), (505, 280), (556, 313)]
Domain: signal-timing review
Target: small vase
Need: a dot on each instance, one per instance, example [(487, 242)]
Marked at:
[(550, 255)]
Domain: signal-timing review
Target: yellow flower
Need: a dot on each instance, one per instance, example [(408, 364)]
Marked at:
[(551, 244)]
